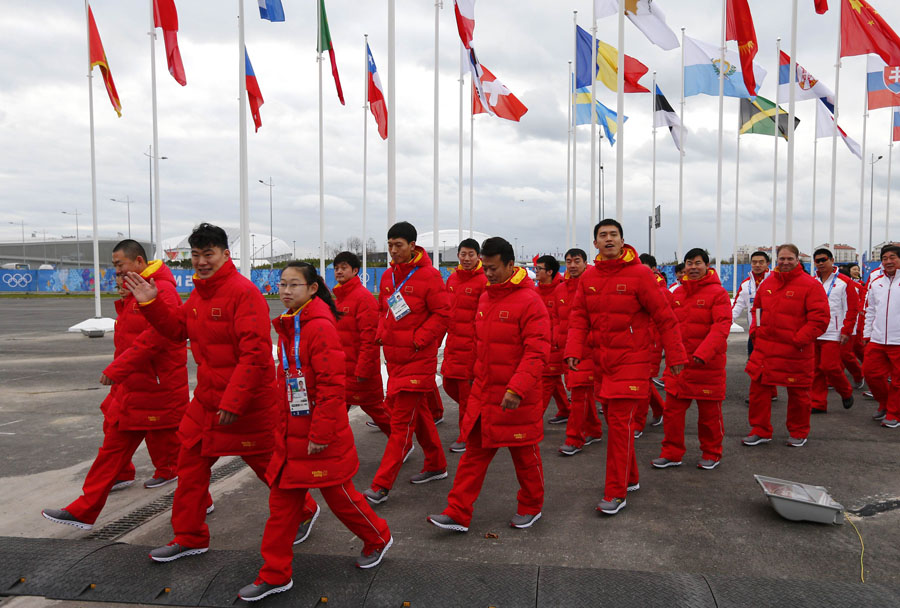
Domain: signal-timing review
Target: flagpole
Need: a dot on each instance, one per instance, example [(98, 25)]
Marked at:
[(593, 204), (322, 145), (569, 162), (814, 176), (887, 204), (96, 243), (575, 142), (652, 242), (392, 122), (462, 92), (471, 165), (721, 149), (862, 169), (681, 160), (435, 194), (789, 199), (156, 250), (837, 89), (620, 119), (365, 155), (777, 131), (242, 127), (737, 189)]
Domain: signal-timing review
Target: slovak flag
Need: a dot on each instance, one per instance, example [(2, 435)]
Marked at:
[(882, 83), (253, 93), (376, 96), (499, 99), (465, 20)]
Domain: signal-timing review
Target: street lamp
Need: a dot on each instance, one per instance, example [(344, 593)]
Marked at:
[(23, 236), (150, 157), (128, 202), (77, 236), (271, 235), (872, 195), (443, 250), (295, 249), (252, 249), (515, 246)]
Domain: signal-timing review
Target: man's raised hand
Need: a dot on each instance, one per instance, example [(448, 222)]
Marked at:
[(141, 289)]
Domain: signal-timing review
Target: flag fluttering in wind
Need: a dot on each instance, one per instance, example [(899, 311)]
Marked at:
[(758, 116), (254, 95), (606, 70), (821, 6), (606, 118), (271, 10), (98, 59), (739, 27), (826, 127), (465, 20), (882, 83), (896, 124), (325, 44), (375, 96), (646, 16), (492, 96), (166, 17), (701, 71), (805, 84), (665, 116), (864, 31)]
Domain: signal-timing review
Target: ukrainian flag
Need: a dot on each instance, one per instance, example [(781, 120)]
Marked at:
[(606, 118)]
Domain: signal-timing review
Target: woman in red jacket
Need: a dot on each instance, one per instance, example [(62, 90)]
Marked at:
[(546, 270), (314, 445)]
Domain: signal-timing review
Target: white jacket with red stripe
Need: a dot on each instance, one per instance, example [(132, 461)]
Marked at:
[(883, 310), (743, 301), (844, 302)]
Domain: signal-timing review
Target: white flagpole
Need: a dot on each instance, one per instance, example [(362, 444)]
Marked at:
[(789, 199), (157, 250), (569, 162), (242, 127), (721, 149), (575, 142), (737, 189), (837, 89), (322, 144), (887, 204), (681, 160), (620, 119), (87, 21), (652, 242), (593, 204), (365, 107), (812, 222), (392, 122), (775, 162), (435, 186), (471, 165), (862, 170), (462, 92)]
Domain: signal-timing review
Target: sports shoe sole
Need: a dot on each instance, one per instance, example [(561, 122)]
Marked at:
[(553, 421), (454, 527), (432, 478), (376, 502), (269, 592), (758, 441), (708, 468), (638, 434), (315, 516), (571, 452), (458, 450), (121, 485), (671, 463), (380, 557), (160, 484), (528, 525), (618, 508), (210, 509), (796, 445), (593, 440), (890, 424), (75, 524), (185, 553), (634, 487)]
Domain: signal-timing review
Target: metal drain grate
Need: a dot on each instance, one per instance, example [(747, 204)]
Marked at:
[(123, 525)]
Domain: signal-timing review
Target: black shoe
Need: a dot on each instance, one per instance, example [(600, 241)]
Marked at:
[(848, 402), (816, 410)]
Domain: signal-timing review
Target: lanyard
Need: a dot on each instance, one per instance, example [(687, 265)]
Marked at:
[(830, 287), (394, 280), (752, 284), (284, 360)]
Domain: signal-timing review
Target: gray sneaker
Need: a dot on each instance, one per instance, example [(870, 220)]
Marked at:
[(426, 476), (173, 551), (523, 521), (374, 558), (258, 589), (662, 463), (157, 482), (458, 447), (591, 439), (755, 440), (447, 523), (210, 508), (868, 395), (656, 420), (438, 421), (612, 506), (306, 527), (796, 442), (568, 450), (558, 419), (879, 415), (860, 384), (708, 464), (638, 434), (634, 487), (376, 497), (61, 516), (890, 424), (121, 485)]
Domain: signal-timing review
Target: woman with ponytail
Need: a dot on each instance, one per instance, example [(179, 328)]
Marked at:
[(314, 445)]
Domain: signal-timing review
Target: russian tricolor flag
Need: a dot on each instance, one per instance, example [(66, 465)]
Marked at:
[(375, 96), (253, 93)]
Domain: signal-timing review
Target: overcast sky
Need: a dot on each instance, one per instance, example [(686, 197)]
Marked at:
[(520, 169)]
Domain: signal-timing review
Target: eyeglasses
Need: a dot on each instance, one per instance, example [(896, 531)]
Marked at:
[(820, 260), (291, 285), (540, 268)]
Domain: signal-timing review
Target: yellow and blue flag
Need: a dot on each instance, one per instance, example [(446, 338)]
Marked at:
[(606, 118)]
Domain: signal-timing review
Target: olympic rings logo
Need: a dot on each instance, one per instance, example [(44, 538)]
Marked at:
[(16, 279)]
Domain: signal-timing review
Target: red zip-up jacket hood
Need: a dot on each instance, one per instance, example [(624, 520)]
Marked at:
[(555, 364), (357, 328), (464, 287)]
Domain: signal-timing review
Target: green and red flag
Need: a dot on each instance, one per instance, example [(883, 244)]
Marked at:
[(325, 44)]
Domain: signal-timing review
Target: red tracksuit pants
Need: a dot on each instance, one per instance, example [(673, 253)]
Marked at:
[(458, 389), (435, 404), (583, 420), (621, 464), (829, 372), (710, 428), (113, 463), (287, 511), (409, 414), (883, 361), (760, 413), (654, 402), (473, 467), (553, 387), (851, 360)]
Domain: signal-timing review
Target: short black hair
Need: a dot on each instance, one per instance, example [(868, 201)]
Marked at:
[(763, 254), (679, 267), (647, 260), (206, 235), (469, 244), (697, 251), (349, 258), (575, 251), (403, 230), (497, 245), (895, 249), (821, 250), (550, 262), (131, 249), (608, 222)]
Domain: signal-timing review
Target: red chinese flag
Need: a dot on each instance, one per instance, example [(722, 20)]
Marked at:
[(739, 27), (98, 58), (864, 31), (166, 17)]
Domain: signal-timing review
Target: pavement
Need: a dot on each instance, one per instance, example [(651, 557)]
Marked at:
[(705, 525)]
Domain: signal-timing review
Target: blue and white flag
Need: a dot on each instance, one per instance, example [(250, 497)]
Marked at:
[(271, 10), (701, 71)]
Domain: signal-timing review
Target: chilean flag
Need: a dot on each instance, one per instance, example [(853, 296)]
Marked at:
[(465, 20), (253, 93), (501, 102), (375, 96)]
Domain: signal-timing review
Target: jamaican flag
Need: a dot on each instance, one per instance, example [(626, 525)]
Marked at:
[(758, 116)]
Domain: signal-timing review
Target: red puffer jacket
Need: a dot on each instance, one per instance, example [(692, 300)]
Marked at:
[(227, 321), (618, 302), (555, 364), (512, 342), (657, 350), (703, 309), (464, 287), (149, 372), (357, 328), (322, 365), (793, 312), (411, 344), (559, 317)]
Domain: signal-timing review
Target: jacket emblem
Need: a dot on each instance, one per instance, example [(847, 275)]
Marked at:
[(706, 391), (152, 418), (504, 314), (790, 294), (345, 309), (320, 474), (519, 435), (414, 381), (791, 380), (592, 288), (701, 302), (450, 288), (480, 313), (248, 444), (408, 289), (468, 290), (633, 388), (620, 287), (215, 312)]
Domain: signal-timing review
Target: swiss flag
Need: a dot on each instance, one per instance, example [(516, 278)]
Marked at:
[(500, 99)]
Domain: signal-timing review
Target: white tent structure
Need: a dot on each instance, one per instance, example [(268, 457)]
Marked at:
[(178, 248)]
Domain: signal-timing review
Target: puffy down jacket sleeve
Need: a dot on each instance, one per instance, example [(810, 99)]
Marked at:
[(656, 303), (166, 318), (718, 331), (818, 314), (853, 307), (536, 348), (327, 357), (578, 325), (433, 329), (368, 365)]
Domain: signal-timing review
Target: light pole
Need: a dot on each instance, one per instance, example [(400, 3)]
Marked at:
[(872, 195), (295, 249), (77, 236), (252, 249), (443, 251), (128, 202), (23, 236), (271, 235), (150, 157)]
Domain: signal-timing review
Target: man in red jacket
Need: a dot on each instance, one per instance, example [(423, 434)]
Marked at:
[(546, 269), (464, 287), (357, 328), (789, 312), (415, 312), (619, 303), (703, 310), (512, 331), (234, 405), (654, 402), (147, 398)]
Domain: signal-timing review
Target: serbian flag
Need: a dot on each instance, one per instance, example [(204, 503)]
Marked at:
[(98, 58), (253, 93), (166, 17), (500, 100), (806, 86), (882, 83), (376, 96), (326, 45), (896, 124), (864, 31), (271, 10), (465, 20), (740, 28)]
